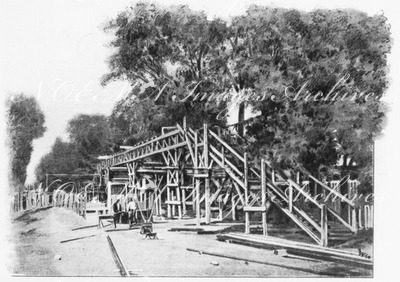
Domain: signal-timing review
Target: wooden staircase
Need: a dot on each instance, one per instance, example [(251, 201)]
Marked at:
[(314, 221)]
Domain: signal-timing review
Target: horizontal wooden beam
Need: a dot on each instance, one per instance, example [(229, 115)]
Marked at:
[(173, 202), (158, 171), (118, 168), (201, 175), (254, 209)]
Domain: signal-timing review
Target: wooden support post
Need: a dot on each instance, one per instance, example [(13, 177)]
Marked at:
[(197, 186), (193, 199), (109, 204), (183, 191), (207, 180), (354, 219), (159, 203), (169, 210), (290, 197), (233, 208), (246, 194), (136, 182), (173, 206), (183, 202), (156, 201), (178, 189), (220, 206), (264, 197), (324, 226), (198, 215)]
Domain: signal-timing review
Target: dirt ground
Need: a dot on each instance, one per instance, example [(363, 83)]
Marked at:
[(38, 251)]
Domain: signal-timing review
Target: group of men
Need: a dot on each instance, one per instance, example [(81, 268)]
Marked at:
[(117, 209)]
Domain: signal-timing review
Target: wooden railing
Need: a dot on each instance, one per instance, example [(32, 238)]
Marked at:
[(291, 197), (350, 221), (29, 200), (70, 200), (238, 168)]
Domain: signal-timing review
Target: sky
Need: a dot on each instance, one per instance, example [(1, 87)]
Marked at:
[(56, 51)]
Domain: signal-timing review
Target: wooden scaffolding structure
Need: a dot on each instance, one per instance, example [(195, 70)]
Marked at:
[(202, 169)]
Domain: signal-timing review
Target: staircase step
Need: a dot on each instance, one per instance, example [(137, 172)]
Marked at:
[(339, 228), (337, 238)]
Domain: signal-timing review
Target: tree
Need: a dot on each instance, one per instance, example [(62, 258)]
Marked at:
[(92, 136), (168, 52), (63, 158), (322, 54), (89, 137), (25, 123)]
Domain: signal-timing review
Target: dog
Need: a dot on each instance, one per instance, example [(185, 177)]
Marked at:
[(152, 236), (148, 231)]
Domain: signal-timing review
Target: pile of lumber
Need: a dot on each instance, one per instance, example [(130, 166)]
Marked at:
[(200, 231), (297, 248)]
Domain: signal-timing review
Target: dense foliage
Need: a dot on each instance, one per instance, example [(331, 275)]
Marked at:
[(89, 137), (339, 58), (25, 123)]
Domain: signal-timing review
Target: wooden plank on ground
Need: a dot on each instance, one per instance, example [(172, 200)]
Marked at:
[(78, 238), (297, 243), (186, 229), (298, 248), (121, 229), (117, 259), (84, 227)]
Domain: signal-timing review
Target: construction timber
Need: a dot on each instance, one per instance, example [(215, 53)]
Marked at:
[(206, 174)]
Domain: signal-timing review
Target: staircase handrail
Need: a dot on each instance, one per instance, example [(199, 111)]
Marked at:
[(336, 193), (226, 145)]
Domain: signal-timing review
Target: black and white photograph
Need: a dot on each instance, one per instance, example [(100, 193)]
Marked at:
[(208, 139)]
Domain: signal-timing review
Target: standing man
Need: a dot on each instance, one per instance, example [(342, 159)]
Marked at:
[(131, 212), (117, 212)]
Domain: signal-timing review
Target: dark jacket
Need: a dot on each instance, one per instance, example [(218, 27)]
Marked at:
[(117, 207)]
